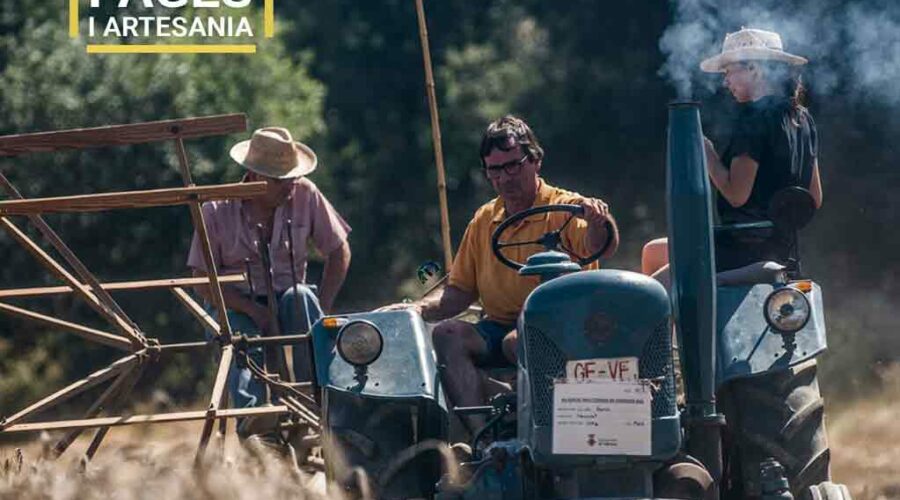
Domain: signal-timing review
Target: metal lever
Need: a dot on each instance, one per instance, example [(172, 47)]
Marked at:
[(273, 353), (307, 348), (249, 278)]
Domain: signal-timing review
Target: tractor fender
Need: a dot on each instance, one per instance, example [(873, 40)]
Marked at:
[(748, 347)]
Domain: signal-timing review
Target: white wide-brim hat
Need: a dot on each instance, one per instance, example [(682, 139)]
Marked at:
[(272, 152), (750, 45)]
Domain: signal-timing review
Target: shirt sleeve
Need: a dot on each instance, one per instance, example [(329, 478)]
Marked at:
[(462, 274), (195, 256), (329, 229), (749, 136), (813, 136), (573, 236)]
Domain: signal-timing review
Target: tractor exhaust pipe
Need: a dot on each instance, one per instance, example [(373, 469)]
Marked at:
[(693, 290)]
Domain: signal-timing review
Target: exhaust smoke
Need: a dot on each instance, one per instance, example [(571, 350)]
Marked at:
[(853, 47)]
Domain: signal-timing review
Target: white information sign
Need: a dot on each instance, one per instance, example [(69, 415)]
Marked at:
[(601, 418), (602, 369)]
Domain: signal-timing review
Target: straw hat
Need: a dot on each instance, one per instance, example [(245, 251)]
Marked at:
[(272, 152), (750, 45)]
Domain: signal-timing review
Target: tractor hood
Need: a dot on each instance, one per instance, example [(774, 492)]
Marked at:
[(597, 313), (594, 315)]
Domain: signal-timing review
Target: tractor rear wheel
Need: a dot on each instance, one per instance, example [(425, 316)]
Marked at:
[(779, 415)]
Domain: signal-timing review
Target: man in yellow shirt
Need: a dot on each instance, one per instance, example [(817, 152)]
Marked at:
[(511, 158)]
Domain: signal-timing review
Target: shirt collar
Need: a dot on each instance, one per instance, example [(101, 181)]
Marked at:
[(543, 197), (243, 205)]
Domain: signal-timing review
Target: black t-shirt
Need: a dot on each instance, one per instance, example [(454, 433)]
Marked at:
[(784, 147)]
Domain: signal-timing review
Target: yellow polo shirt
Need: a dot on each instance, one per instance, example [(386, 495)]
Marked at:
[(501, 290)]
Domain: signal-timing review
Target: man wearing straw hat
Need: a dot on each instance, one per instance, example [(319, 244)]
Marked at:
[(291, 212)]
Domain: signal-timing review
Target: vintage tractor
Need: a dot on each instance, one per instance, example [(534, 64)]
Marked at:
[(383, 413), (596, 412)]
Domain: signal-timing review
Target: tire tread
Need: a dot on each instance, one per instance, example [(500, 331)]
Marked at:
[(779, 415)]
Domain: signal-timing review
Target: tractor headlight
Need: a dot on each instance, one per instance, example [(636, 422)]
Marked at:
[(360, 343), (787, 310)]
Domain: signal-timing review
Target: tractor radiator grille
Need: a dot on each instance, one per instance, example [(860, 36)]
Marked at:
[(656, 364), (547, 362)]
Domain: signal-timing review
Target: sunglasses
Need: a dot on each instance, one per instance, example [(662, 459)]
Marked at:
[(511, 168)]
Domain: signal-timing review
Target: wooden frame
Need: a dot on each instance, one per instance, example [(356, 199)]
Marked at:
[(141, 351), (91, 334), (132, 199), (121, 135), (143, 419), (119, 285)]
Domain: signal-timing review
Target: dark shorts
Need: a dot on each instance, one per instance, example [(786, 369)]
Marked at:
[(734, 252), (493, 332)]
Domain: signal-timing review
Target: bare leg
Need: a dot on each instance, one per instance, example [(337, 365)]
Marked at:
[(494, 386), (457, 345), (654, 256), (510, 341), (663, 275)]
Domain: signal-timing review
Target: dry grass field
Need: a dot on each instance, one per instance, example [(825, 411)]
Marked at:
[(155, 463), (864, 442), (152, 463)]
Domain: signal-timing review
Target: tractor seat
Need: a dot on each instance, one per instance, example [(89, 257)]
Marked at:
[(757, 273)]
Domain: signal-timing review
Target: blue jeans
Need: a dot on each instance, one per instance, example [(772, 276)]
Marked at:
[(244, 389)]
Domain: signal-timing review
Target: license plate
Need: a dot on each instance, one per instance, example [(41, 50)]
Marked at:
[(617, 369)]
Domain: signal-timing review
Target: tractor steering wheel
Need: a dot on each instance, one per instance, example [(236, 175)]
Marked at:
[(551, 240)]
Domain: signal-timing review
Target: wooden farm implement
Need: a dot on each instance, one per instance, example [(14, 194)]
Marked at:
[(120, 377)]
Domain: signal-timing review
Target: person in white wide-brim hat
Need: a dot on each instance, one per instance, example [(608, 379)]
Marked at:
[(750, 45), (290, 213), (773, 144)]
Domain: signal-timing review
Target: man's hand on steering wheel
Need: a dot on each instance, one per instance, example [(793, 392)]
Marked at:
[(601, 226), (596, 211), (605, 233)]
